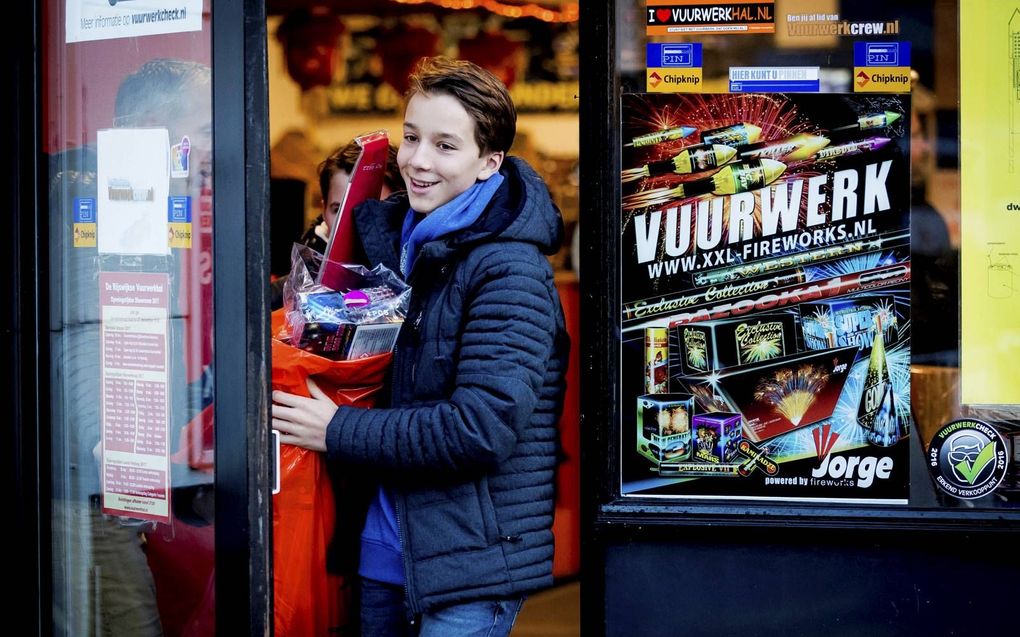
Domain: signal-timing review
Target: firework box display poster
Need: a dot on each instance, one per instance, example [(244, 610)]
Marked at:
[(765, 246)]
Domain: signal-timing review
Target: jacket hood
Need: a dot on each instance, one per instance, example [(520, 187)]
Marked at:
[(521, 210)]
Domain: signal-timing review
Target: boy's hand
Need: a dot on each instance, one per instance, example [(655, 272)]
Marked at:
[(303, 421)]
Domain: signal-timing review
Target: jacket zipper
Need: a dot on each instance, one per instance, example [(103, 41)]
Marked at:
[(398, 498), (405, 555)]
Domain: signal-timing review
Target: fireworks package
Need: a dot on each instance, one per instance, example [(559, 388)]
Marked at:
[(848, 321), (664, 426), (359, 318), (708, 347), (716, 437), (775, 398)]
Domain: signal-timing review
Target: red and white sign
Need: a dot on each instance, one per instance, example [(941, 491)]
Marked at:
[(135, 407)]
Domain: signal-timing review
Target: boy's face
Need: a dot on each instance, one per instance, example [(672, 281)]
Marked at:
[(439, 157)]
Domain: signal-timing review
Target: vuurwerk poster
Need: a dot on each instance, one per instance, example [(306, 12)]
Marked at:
[(765, 297)]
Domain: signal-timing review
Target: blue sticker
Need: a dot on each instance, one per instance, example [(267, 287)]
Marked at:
[(779, 79), (675, 55), (178, 209), (881, 53), (84, 210)]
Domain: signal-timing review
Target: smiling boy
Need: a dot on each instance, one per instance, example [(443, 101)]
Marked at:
[(459, 530)]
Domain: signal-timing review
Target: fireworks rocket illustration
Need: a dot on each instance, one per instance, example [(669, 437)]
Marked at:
[(658, 137), (873, 120), (852, 148), (792, 392), (797, 147), (730, 180), (734, 135), (745, 270), (690, 160), (876, 412)]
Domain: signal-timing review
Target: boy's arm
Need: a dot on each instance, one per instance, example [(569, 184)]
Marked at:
[(505, 348)]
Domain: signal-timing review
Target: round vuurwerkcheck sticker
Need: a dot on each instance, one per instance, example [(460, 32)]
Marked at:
[(968, 458)]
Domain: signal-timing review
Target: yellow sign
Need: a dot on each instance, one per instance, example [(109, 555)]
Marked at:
[(990, 199), (84, 235), (674, 80), (180, 235), (881, 79)]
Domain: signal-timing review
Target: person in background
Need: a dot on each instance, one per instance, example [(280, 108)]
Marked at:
[(934, 285), (334, 175), (463, 457)]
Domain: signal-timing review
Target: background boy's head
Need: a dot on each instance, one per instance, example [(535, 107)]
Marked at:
[(459, 123), (166, 92), (335, 173)]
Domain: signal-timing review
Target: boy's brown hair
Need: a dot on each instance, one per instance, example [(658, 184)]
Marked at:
[(482, 95), (344, 158)]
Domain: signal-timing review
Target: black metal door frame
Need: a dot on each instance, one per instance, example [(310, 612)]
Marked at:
[(25, 470), (243, 538), (241, 292)]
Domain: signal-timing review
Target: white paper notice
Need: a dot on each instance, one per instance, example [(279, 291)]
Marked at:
[(134, 182), (136, 422), (86, 20)]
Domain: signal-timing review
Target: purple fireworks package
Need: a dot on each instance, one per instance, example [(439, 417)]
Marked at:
[(716, 437)]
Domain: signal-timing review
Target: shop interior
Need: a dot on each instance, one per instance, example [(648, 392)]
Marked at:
[(337, 69)]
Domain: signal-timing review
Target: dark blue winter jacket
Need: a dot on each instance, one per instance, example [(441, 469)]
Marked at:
[(468, 444)]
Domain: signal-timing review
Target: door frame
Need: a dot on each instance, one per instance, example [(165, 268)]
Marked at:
[(243, 531), (241, 265)]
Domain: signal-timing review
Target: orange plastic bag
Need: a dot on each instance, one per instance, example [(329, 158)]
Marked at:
[(308, 601)]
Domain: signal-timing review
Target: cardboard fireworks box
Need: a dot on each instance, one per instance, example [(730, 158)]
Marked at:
[(847, 321), (656, 360), (712, 346), (664, 426), (716, 437), (776, 397)]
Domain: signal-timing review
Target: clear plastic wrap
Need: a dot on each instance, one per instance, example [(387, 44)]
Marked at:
[(359, 319)]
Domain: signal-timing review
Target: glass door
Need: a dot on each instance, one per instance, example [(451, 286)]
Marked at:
[(153, 501)]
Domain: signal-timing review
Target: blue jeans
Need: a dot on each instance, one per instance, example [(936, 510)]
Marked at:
[(384, 613)]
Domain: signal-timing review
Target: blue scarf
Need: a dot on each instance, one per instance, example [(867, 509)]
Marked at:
[(456, 214)]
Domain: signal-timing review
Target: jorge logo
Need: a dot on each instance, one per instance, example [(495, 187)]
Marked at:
[(967, 459), (865, 470)]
